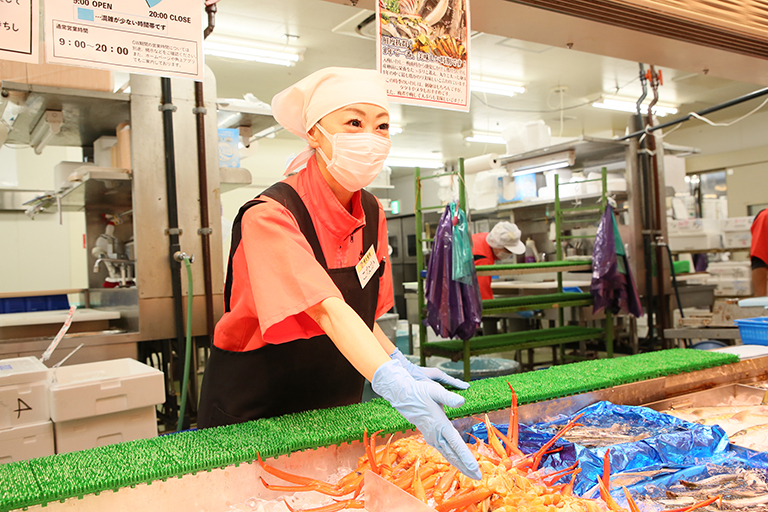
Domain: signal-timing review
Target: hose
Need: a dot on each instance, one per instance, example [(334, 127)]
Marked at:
[(674, 279), (188, 351)]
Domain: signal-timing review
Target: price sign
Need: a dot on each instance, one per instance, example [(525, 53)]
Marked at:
[(157, 37), (18, 30)]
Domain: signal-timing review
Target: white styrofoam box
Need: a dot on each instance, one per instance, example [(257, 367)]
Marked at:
[(693, 225), (26, 442), (737, 239), (118, 427), (23, 392), (694, 241), (730, 270), (737, 223), (727, 287), (93, 389), (102, 150)]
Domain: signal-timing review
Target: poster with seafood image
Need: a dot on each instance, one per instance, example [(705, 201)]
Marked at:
[(423, 51)]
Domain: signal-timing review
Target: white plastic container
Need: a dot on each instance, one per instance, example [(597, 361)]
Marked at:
[(692, 226), (694, 241), (728, 287), (105, 387), (23, 392), (737, 223), (26, 442), (737, 239), (730, 270), (564, 174), (118, 427)]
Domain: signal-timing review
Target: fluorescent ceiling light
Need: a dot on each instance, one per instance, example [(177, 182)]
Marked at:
[(422, 163), (485, 138), (543, 163), (496, 86), (625, 105), (542, 168), (252, 51)]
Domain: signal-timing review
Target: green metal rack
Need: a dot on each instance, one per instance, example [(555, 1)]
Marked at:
[(558, 336)]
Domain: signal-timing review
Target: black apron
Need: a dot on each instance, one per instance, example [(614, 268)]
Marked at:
[(302, 374)]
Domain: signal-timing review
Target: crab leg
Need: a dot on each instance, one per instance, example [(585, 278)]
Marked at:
[(339, 505), (606, 473), (309, 483), (631, 502), (514, 424), (540, 454), (464, 500), (369, 452)]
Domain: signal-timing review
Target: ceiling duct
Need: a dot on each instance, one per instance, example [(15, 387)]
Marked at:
[(738, 27)]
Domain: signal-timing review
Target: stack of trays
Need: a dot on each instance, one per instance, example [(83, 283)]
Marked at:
[(107, 402), (26, 430)]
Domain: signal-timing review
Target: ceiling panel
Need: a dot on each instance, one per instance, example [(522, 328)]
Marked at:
[(583, 77)]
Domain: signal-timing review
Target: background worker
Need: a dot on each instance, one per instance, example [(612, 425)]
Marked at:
[(758, 254), (307, 277), (499, 244)]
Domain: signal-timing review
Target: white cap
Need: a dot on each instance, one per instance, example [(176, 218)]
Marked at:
[(299, 107), (303, 104), (506, 235)]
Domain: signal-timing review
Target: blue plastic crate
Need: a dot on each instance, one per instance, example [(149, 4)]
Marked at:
[(753, 331), (57, 302), (13, 305), (37, 303)]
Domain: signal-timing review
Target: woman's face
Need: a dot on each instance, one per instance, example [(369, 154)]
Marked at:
[(355, 118)]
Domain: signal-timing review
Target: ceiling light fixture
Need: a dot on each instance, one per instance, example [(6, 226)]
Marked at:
[(252, 51), (627, 105), (497, 86), (484, 137), (422, 163), (544, 163)]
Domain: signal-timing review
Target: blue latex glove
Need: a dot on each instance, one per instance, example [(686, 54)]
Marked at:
[(421, 402), (422, 373)]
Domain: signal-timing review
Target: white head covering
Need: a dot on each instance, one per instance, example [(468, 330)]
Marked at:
[(299, 107), (506, 235)]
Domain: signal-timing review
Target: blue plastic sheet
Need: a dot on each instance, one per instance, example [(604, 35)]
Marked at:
[(689, 451)]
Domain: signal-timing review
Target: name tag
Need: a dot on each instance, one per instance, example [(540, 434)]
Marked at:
[(367, 267)]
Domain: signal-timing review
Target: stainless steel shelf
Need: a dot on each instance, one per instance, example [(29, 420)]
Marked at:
[(87, 114)]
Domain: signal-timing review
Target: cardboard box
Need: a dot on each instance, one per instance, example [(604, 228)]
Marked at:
[(24, 385), (84, 433), (26, 442), (54, 75), (104, 387)]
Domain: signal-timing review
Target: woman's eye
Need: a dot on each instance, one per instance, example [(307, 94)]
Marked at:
[(356, 123), (384, 126)]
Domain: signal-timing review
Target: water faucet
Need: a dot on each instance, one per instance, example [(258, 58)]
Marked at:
[(109, 260)]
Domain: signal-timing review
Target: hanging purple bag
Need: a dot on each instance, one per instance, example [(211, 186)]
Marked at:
[(454, 309)]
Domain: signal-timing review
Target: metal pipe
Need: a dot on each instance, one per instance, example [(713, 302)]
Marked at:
[(211, 11), (741, 99), (173, 226), (656, 217), (645, 89)]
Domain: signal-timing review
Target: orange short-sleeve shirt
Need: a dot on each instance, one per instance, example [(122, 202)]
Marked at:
[(276, 277)]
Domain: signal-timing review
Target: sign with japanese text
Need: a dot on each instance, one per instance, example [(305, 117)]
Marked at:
[(18, 30), (423, 51), (155, 37)]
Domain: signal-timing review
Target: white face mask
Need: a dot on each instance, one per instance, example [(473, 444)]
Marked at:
[(357, 157)]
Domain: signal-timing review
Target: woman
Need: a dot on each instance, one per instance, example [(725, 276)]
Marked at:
[(307, 278)]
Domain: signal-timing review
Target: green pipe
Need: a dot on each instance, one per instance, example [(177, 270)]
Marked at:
[(188, 351)]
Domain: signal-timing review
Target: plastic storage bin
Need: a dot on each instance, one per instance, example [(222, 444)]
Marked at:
[(23, 392), (105, 387), (84, 433), (26, 442), (753, 331), (481, 367)]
